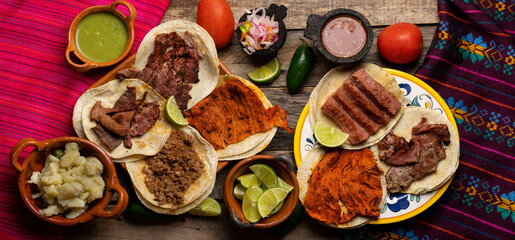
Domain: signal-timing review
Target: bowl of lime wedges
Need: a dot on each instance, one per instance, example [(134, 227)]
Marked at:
[(261, 191)]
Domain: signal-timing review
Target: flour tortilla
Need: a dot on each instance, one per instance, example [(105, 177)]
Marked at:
[(304, 172), (147, 144), (208, 66), (445, 168), (254, 143), (333, 80), (197, 192)]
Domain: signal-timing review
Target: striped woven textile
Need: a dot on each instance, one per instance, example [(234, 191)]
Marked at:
[(38, 89)]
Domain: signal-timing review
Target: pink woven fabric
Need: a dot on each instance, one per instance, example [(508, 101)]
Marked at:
[(38, 89)]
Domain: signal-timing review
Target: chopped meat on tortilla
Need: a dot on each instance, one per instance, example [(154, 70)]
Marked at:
[(365, 103), (99, 114), (144, 118), (355, 111), (356, 132), (171, 67), (395, 150), (344, 184), (233, 112), (173, 170), (398, 178)]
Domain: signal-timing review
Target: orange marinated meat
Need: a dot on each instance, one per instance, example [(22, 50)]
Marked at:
[(344, 184), (233, 112)]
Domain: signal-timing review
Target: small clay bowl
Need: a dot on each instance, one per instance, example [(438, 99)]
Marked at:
[(316, 23), (35, 162), (283, 166), (76, 59), (279, 13)]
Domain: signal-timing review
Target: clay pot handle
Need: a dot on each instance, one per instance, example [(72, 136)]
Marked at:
[(239, 222), (132, 11), (121, 205), (81, 67), (312, 26), (17, 149), (287, 161)]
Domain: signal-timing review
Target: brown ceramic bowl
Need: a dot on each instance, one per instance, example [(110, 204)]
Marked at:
[(75, 58), (35, 161), (283, 166)]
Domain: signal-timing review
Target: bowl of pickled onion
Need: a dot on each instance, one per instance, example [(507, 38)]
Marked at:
[(261, 31)]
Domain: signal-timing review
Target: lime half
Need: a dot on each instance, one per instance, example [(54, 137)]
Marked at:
[(249, 180), (249, 205), (266, 174), (329, 136), (239, 191), (207, 208), (269, 200), (173, 113), (267, 73)]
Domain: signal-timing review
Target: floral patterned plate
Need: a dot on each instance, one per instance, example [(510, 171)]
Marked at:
[(400, 206)]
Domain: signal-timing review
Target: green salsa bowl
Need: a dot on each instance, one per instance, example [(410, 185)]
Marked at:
[(100, 36)]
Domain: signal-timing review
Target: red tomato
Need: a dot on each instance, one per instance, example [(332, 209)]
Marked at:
[(216, 17), (400, 43)]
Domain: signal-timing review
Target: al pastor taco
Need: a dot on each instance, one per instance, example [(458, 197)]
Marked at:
[(364, 101)]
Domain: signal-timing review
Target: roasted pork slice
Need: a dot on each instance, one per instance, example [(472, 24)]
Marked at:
[(398, 178), (375, 92), (355, 111), (356, 133), (106, 138), (144, 118), (127, 99), (99, 114), (365, 103)]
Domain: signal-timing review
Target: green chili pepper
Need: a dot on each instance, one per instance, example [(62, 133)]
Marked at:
[(300, 65), (245, 27), (58, 153)]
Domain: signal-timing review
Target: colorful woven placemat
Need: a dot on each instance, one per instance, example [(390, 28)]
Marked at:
[(38, 89)]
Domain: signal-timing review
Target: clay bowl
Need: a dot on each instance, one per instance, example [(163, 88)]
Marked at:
[(283, 166), (35, 161), (76, 59), (316, 23), (279, 13)]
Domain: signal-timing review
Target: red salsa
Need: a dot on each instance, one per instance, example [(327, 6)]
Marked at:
[(343, 36)]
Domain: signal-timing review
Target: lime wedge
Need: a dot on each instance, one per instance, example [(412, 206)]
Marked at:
[(267, 73), (207, 208), (266, 174), (239, 191), (249, 205), (284, 185), (276, 209), (173, 113), (329, 136), (270, 199), (248, 180)]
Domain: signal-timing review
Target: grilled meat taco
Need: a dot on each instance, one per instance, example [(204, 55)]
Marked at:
[(177, 58), (420, 154), (364, 101), (341, 188), (126, 118), (179, 177), (237, 118)]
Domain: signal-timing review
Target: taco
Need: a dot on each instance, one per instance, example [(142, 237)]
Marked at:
[(341, 188), (420, 154), (109, 98), (194, 163), (365, 101), (177, 58), (237, 118)]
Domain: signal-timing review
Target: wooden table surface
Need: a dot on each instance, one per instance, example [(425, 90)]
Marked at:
[(380, 13)]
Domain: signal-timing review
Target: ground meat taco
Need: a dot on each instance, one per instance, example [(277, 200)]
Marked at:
[(177, 58), (127, 105), (364, 101), (193, 161), (341, 188), (237, 118), (431, 140)]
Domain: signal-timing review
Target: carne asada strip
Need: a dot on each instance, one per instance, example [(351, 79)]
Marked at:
[(355, 111), (106, 138)]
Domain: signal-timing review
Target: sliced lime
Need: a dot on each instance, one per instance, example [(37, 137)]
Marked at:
[(270, 199), (329, 136), (248, 180), (207, 208), (276, 209), (284, 185), (173, 113), (267, 73), (266, 174), (239, 191), (249, 205)]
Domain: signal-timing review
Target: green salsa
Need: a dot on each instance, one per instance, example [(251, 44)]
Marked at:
[(101, 36)]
